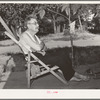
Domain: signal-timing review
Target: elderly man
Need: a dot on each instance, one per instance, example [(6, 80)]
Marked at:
[(32, 42)]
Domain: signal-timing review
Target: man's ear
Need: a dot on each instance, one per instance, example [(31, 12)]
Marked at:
[(27, 26)]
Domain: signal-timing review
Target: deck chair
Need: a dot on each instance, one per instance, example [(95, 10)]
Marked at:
[(46, 68)]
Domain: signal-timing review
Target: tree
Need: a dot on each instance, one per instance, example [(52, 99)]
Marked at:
[(14, 15)]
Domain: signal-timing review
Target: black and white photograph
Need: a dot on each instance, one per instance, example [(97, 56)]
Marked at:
[(49, 49), (50, 45)]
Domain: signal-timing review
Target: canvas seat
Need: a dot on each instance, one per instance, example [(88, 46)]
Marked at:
[(43, 67)]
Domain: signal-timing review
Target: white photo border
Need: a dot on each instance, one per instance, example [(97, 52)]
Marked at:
[(42, 93)]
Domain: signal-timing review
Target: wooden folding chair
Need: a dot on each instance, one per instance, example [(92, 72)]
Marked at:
[(45, 70)]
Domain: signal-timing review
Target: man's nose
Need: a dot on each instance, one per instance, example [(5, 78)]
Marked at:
[(37, 25)]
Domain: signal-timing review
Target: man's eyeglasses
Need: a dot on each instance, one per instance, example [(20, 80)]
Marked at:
[(35, 23)]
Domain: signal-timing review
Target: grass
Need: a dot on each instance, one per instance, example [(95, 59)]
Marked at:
[(60, 36)]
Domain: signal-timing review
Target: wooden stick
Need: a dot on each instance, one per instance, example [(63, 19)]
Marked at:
[(28, 74)]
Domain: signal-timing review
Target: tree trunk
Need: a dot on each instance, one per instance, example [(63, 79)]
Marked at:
[(54, 24), (71, 39), (64, 27), (58, 28), (80, 23)]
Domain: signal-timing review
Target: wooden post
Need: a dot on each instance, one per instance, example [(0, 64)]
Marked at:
[(28, 70)]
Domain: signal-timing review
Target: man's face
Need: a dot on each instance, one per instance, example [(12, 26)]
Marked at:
[(33, 25)]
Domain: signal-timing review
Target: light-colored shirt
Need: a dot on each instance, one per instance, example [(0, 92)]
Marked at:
[(27, 42)]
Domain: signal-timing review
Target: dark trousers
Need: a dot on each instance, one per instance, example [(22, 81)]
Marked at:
[(59, 58)]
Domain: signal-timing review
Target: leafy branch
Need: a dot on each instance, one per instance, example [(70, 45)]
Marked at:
[(58, 13)]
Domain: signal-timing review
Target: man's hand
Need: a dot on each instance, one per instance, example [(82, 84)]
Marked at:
[(42, 52), (43, 46), (33, 50)]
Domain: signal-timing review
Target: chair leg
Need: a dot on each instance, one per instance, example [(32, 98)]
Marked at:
[(57, 76), (45, 66), (28, 76), (28, 73)]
